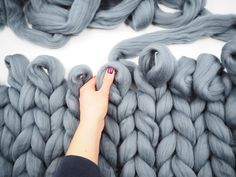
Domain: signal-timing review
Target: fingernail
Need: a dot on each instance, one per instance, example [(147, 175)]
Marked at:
[(110, 70)]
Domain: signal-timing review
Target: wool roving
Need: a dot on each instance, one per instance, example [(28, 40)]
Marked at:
[(151, 78), (189, 107), (221, 27), (2, 15), (16, 65), (215, 86), (118, 111), (165, 117), (51, 23), (228, 60), (41, 102), (4, 163), (184, 130)]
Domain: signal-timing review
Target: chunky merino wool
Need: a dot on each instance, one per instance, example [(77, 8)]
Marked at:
[(51, 23), (221, 27), (11, 114), (4, 163), (165, 117), (228, 60), (118, 112)]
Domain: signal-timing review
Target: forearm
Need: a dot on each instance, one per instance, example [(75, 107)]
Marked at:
[(93, 109), (85, 142)]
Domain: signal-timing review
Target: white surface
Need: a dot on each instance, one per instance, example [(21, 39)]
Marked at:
[(92, 46)]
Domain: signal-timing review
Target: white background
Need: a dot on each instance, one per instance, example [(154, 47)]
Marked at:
[(92, 46)]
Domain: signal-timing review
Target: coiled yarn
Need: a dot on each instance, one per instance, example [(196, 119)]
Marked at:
[(51, 23), (221, 27)]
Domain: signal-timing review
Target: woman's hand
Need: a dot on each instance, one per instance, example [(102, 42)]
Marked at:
[(94, 104), (93, 109)]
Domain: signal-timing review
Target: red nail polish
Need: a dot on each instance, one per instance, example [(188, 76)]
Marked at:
[(110, 70)]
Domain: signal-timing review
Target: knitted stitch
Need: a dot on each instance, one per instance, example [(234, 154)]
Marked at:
[(165, 118), (16, 65), (108, 163), (183, 160), (151, 78), (228, 60), (4, 163)]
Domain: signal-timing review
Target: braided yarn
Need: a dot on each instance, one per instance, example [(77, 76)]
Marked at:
[(4, 163), (165, 117), (117, 112), (151, 78), (183, 160), (228, 61), (16, 65)]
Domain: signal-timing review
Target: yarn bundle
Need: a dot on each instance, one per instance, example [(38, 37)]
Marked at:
[(165, 117), (51, 23)]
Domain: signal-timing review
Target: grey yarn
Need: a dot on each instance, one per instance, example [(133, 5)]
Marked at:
[(4, 163), (221, 27), (51, 23), (2, 15), (17, 22), (187, 11), (151, 78), (165, 118), (154, 61), (183, 159), (228, 61), (182, 84), (108, 162), (55, 107), (213, 88), (112, 17), (36, 127), (16, 65)]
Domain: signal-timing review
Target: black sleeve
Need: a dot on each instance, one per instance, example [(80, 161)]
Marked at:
[(107, 4), (76, 166)]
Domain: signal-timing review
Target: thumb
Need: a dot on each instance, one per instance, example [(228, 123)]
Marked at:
[(108, 80)]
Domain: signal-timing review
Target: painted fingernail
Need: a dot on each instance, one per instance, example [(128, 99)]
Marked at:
[(110, 70)]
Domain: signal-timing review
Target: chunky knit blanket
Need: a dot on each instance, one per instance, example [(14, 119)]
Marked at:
[(165, 118)]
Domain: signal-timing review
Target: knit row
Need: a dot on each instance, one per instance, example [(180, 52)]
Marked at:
[(165, 117)]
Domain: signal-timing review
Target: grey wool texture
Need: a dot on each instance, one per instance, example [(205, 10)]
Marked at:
[(50, 23), (166, 117)]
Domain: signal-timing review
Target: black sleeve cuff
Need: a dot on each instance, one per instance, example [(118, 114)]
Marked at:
[(76, 166), (107, 4)]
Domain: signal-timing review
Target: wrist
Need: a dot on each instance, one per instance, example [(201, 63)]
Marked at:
[(95, 126)]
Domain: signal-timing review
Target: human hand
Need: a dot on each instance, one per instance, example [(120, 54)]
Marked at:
[(93, 109), (94, 103)]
